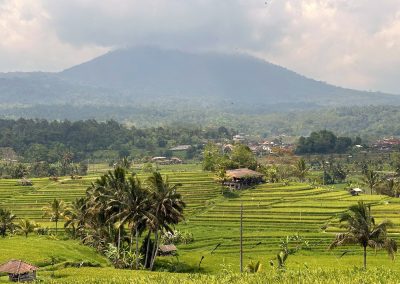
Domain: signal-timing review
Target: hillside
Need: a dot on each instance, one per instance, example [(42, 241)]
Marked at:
[(271, 212), (141, 75), (158, 73)]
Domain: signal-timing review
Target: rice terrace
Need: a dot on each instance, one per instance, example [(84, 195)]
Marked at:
[(271, 212), (199, 141)]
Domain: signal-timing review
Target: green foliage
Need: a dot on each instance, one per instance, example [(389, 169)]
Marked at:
[(6, 222), (240, 157), (254, 267), (122, 258), (301, 169), (290, 246), (26, 226), (55, 211), (361, 229), (177, 237), (70, 142), (371, 179), (323, 142)]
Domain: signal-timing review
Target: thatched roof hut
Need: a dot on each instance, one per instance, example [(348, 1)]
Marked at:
[(167, 250), (19, 271), (244, 177), (25, 182)]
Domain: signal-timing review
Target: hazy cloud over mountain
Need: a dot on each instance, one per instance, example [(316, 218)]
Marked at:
[(353, 43)]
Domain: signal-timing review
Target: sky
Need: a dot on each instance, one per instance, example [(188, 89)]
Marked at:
[(350, 43)]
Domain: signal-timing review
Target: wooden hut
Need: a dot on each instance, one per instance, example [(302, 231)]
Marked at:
[(356, 191), (25, 182), (167, 250), (19, 271), (242, 178)]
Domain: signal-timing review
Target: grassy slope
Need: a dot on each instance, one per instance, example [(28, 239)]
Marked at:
[(271, 211)]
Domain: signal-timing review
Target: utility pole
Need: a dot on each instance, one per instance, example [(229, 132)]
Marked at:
[(241, 237)]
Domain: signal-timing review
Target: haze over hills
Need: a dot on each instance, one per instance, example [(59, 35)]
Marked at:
[(148, 86), (141, 74)]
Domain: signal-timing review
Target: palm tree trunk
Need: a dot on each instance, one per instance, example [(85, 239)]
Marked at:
[(147, 249), (365, 257), (155, 249), (137, 247), (56, 227), (119, 238), (131, 241)]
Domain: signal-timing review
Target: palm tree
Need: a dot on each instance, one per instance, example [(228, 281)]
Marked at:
[(301, 169), (6, 222), (361, 229), (167, 208), (54, 210), (74, 216), (393, 187), (371, 179), (26, 226), (98, 215), (133, 209)]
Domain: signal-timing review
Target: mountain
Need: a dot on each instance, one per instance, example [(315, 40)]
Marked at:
[(168, 78), (158, 73)]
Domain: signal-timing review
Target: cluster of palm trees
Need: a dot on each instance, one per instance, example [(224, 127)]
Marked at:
[(119, 208), (7, 225), (380, 184)]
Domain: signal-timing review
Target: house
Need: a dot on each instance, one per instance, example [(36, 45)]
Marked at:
[(227, 148), (175, 160), (242, 178), (158, 159), (25, 182), (181, 148), (19, 271), (167, 250), (356, 191), (238, 138)]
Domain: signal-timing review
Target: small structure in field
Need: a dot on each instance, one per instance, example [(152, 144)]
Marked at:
[(242, 178), (181, 148), (75, 177), (356, 191), (167, 250), (25, 182), (53, 178), (19, 271)]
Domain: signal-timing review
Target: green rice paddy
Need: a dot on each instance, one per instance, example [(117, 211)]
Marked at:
[(270, 212)]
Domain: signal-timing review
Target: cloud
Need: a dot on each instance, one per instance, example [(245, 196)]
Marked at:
[(29, 42), (353, 43)]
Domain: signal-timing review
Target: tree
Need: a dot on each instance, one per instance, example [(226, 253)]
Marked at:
[(6, 222), (26, 226), (54, 210), (361, 229), (301, 169), (243, 157), (211, 157), (371, 179), (133, 208), (74, 216), (166, 208)]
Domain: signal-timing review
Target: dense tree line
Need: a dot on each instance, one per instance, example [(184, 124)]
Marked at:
[(41, 140), (369, 122), (215, 159), (324, 142)]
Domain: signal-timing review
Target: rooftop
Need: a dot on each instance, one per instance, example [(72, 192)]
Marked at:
[(17, 267), (167, 248), (243, 172)]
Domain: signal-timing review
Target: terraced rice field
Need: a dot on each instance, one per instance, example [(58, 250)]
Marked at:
[(271, 212)]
